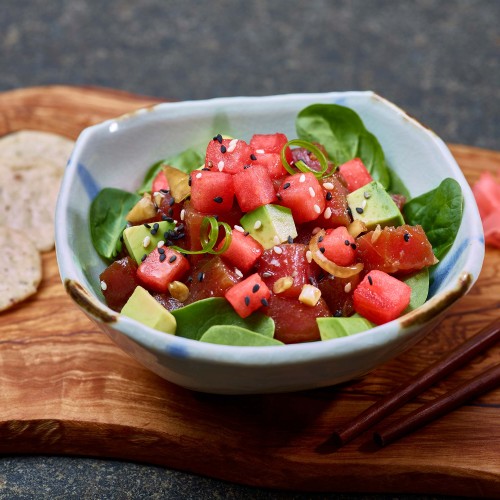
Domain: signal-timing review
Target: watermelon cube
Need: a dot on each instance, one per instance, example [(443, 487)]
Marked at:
[(162, 266), (272, 163), (303, 195), (380, 297), (253, 188), (212, 192), (248, 295), (228, 155), (160, 182), (355, 174), (270, 143), (339, 246), (243, 251)]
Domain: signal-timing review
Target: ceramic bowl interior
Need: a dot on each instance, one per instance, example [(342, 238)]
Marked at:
[(117, 153)]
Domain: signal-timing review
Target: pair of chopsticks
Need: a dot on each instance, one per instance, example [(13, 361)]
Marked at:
[(482, 383)]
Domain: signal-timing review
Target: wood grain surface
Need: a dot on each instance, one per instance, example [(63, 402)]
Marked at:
[(65, 388)]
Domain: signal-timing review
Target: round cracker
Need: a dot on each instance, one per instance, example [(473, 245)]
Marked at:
[(31, 167), (20, 268), (28, 148)]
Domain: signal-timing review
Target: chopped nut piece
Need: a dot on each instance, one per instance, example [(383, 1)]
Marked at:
[(282, 284), (178, 290), (310, 295)]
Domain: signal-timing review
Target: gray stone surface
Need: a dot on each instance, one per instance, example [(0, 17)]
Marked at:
[(438, 60)]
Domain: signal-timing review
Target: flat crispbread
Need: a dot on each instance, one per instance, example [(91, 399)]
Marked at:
[(31, 167), (20, 267)]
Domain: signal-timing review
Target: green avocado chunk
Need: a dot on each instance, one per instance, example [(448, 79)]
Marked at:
[(141, 240), (236, 335), (419, 284), (270, 225), (144, 308), (332, 328), (373, 205)]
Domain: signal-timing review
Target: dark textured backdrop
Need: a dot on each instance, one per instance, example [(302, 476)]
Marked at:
[(439, 60)]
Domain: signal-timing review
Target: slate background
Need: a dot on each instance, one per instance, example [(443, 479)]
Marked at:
[(440, 61)]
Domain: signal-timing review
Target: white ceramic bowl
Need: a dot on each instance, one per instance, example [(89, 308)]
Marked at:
[(117, 153)]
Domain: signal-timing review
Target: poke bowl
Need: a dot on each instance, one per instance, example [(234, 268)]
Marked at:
[(117, 154)]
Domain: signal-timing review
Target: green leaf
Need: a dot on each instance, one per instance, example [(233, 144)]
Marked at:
[(107, 219), (236, 335), (187, 161), (439, 212), (342, 133), (195, 319)]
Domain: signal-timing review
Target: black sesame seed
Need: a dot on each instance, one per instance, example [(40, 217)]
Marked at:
[(359, 210), (162, 257), (278, 196), (353, 246), (289, 239), (218, 138), (247, 300), (189, 279), (349, 211), (311, 280), (205, 169), (171, 202), (201, 275), (253, 157), (223, 149), (161, 250), (322, 249), (370, 280), (264, 302), (255, 288), (286, 185), (156, 226), (179, 228), (320, 239), (189, 181), (153, 232), (218, 199), (164, 217), (407, 237), (164, 191), (338, 313), (347, 243), (172, 258), (143, 258), (147, 225), (329, 196), (246, 233), (170, 212)]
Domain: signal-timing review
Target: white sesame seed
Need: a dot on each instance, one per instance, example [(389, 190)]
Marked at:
[(309, 256), (220, 166), (146, 241), (348, 288), (276, 239), (363, 205), (257, 224), (311, 192), (183, 214), (278, 250), (328, 185), (327, 213), (239, 228), (302, 178), (104, 286), (317, 209), (232, 145), (366, 194), (198, 175), (238, 272), (160, 244), (259, 151)]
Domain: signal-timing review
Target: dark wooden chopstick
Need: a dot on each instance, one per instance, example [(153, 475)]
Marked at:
[(485, 339)]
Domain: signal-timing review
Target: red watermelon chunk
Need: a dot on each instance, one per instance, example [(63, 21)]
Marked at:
[(395, 249), (355, 174), (253, 188), (212, 192), (228, 155), (159, 182), (303, 195), (243, 251), (270, 143), (161, 267), (487, 193), (272, 163), (248, 295), (380, 297), (339, 246)]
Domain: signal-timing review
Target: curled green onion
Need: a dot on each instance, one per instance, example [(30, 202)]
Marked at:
[(300, 164), (209, 234)]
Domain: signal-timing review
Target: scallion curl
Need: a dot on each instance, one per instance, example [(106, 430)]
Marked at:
[(300, 164)]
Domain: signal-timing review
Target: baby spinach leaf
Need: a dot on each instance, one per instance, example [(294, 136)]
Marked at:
[(236, 335), (195, 319), (187, 161), (341, 131), (107, 219), (439, 212)]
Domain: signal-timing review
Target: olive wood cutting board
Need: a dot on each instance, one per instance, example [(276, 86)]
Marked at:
[(65, 388)]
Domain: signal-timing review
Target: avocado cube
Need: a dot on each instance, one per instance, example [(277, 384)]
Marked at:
[(270, 225), (332, 327), (141, 240), (144, 308), (373, 205)]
